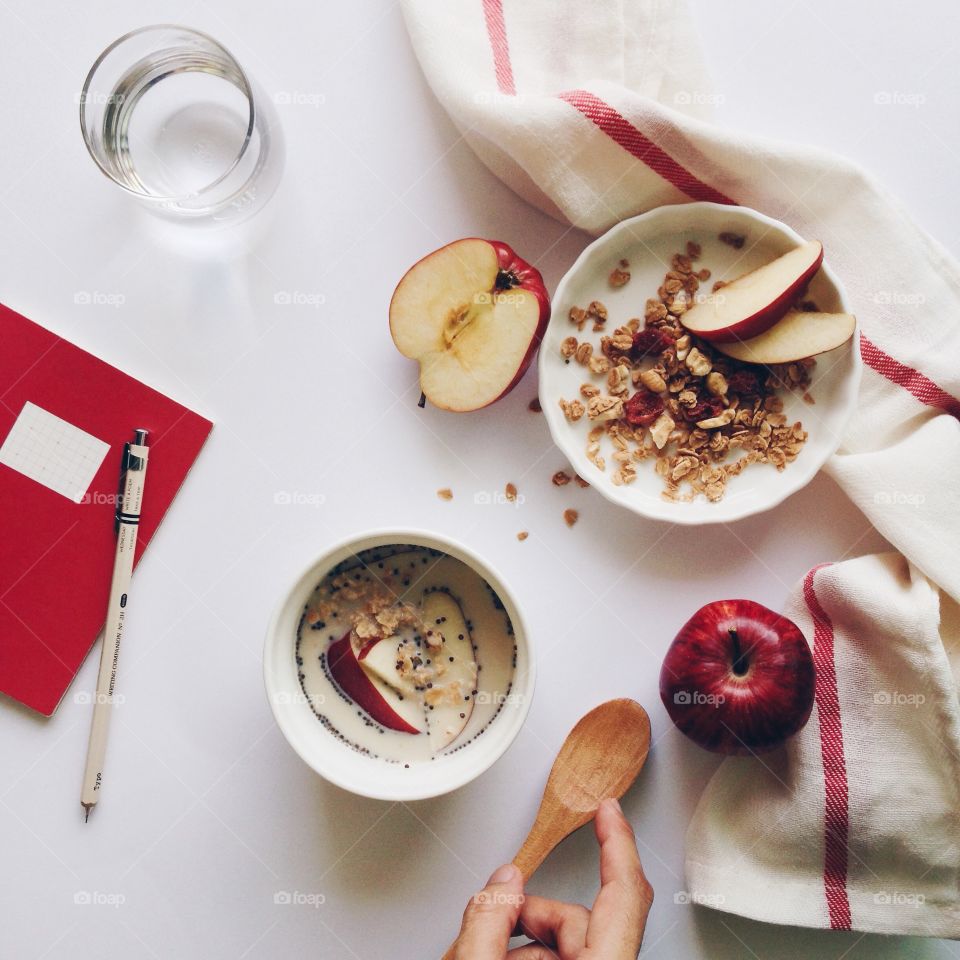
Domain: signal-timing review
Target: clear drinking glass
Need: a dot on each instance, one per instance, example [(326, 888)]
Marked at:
[(169, 115)]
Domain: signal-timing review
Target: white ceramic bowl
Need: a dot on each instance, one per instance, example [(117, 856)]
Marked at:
[(648, 242), (336, 761)]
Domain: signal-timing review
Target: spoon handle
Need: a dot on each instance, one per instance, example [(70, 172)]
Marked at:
[(540, 841)]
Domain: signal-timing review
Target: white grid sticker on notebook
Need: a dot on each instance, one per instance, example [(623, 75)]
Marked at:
[(48, 449)]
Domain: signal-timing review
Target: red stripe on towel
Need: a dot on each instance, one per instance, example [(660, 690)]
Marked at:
[(836, 817), (620, 130), (497, 32), (923, 388)]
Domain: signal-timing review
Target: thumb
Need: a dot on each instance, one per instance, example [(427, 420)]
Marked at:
[(490, 917)]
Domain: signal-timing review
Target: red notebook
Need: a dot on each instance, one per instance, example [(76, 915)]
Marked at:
[(64, 418)]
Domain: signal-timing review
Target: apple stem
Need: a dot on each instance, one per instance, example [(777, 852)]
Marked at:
[(422, 402), (739, 655)]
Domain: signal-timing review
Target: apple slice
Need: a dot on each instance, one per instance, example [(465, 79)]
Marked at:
[(450, 701), (798, 335), (473, 314), (753, 303), (371, 693)]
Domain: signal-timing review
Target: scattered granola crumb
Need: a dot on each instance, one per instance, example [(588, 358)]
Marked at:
[(561, 478), (693, 250), (522, 535), (620, 275), (445, 493), (511, 492), (807, 398), (534, 405), (735, 240), (571, 517), (580, 482)]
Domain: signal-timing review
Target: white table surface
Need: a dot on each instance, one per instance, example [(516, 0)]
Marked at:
[(209, 814)]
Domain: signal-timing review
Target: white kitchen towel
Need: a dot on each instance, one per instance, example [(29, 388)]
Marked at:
[(855, 823), (596, 111)]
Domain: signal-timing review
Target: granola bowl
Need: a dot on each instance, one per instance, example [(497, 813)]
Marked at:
[(788, 420), (353, 748)]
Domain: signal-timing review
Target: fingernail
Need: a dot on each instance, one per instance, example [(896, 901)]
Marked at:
[(615, 803), (503, 874)]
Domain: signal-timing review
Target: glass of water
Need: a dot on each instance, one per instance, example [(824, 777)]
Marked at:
[(169, 115)]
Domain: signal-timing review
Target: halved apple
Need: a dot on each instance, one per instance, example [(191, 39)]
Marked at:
[(451, 649), (369, 691), (473, 314), (753, 303), (798, 335)]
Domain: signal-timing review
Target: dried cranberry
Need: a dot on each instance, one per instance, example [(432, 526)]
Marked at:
[(650, 341), (642, 408), (702, 410), (744, 383)]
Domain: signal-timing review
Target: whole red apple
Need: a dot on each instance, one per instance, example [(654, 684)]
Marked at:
[(473, 314), (738, 678)]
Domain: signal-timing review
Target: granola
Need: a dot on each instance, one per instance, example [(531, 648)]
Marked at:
[(665, 395), (620, 275)]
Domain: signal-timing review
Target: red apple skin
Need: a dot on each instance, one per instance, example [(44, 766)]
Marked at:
[(731, 712), (529, 278), (763, 319), (349, 676)]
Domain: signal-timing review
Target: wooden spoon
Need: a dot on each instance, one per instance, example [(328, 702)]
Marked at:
[(601, 757)]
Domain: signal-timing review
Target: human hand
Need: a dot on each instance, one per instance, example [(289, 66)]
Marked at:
[(611, 930)]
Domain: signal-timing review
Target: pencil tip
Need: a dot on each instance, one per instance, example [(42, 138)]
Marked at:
[(86, 815)]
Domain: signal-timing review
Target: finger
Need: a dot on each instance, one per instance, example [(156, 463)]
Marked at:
[(532, 951), (491, 916), (620, 911), (562, 926)]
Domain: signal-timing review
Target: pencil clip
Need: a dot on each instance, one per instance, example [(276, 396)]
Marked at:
[(124, 466)]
